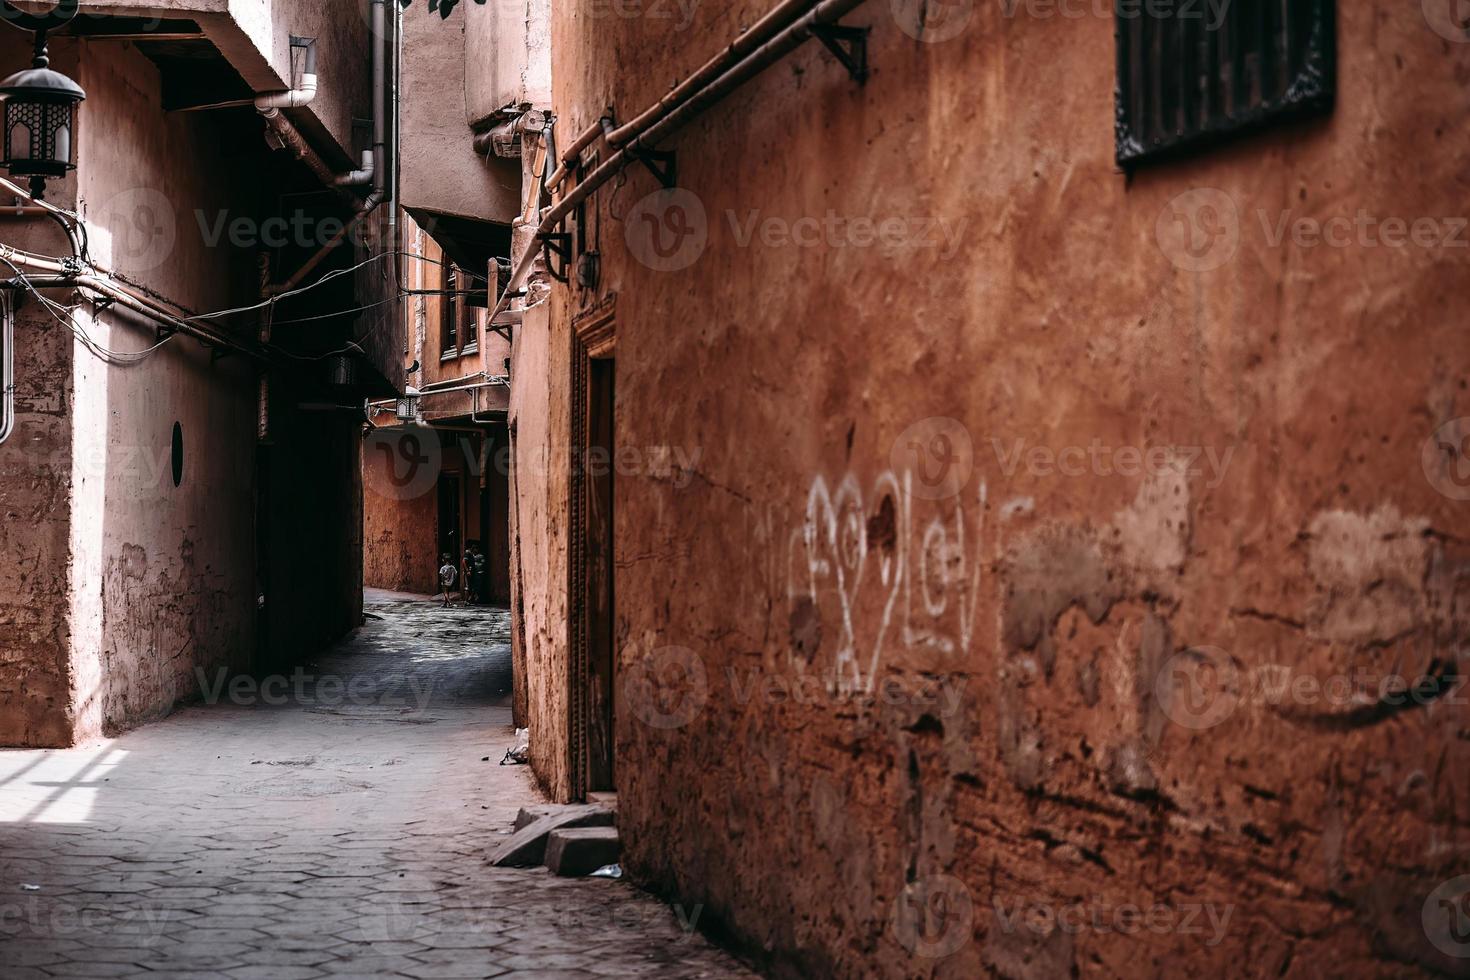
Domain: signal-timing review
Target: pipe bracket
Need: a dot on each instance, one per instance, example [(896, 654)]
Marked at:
[(848, 45), (558, 244), (663, 164)]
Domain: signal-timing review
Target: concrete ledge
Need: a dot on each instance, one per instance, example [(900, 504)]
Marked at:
[(575, 852), (526, 848)]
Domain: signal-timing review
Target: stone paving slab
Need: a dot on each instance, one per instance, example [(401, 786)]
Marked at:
[(341, 831)]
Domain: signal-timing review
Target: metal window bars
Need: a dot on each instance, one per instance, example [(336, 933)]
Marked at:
[(1204, 72)]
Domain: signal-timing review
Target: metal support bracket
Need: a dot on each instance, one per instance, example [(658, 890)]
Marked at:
[(557, 244), (663, 164), (848, 45)]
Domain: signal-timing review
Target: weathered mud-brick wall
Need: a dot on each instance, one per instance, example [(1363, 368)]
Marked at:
[(163, 571), (540, 426), (400, 533), (130, 579), (960, 649), (35, 496)]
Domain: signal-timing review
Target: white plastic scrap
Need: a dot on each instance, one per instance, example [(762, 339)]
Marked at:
[(521, 754)]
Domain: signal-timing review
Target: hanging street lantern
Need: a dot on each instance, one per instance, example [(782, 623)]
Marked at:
[(40, 106)]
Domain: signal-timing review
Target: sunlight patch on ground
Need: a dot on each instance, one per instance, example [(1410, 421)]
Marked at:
[(54, 786)]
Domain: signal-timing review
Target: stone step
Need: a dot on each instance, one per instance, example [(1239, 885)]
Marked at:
[(574, 852), (530, 814), (526, 848)]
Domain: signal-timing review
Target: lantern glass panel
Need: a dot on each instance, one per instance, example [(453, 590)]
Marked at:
[(18, 142)]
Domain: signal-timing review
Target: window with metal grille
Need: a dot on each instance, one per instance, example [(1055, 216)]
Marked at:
[(1197, 71)]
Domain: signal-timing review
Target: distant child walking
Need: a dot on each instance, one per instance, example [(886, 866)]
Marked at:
[(447, 574)]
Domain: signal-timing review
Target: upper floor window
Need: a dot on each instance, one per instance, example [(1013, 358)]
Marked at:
[(459, 329), (469, 324), (448, 315), (1191, 73)]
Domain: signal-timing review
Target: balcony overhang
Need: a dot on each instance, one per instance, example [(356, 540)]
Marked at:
[(233, 50)]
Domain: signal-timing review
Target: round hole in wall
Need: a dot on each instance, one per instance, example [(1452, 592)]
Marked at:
[(178, 454)]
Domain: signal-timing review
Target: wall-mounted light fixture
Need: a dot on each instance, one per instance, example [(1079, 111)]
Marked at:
[(40, 105)]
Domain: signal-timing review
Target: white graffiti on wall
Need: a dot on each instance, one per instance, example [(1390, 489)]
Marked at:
[(883, 567)]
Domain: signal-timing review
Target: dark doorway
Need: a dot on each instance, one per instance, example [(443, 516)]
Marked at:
[(601, 452), (450, 542)]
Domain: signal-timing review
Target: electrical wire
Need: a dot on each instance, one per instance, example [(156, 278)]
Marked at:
[(122, 358), (56, 310), (295, 292), (74, 223), (337, 313), (66, 315), (270, 303)]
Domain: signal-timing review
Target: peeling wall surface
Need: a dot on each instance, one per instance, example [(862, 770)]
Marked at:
[(35, 503), (981, 544)]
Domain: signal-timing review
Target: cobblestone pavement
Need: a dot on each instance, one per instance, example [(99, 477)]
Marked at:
[(331, 823)]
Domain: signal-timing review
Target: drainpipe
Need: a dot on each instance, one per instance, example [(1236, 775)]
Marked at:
[(374, 162), (297, 97), (282, 134), (395, 134), (575, 151), (7, 365), (371, 171), (289, 137)]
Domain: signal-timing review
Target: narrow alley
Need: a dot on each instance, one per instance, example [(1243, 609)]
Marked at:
[(915, 489), (336, 823)]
